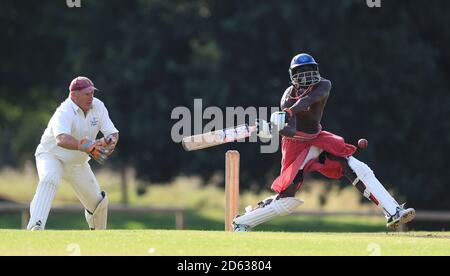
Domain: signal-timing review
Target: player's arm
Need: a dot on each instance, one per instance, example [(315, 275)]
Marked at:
[(115, 139), (289, 130), (109, 130), (67, 141), (61, 126), (95, 149), (280, 121), (320, 92)]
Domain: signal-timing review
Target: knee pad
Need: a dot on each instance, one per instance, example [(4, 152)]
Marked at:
[(285, 206), (373, 187), (361, 169), (99, 218)]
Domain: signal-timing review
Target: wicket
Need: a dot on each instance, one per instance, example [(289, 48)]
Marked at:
[(231, 187)]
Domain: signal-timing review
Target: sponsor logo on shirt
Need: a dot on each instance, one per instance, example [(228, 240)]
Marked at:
[(94, 121)]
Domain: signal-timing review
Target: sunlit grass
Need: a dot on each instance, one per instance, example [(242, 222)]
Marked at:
[(194, 243)]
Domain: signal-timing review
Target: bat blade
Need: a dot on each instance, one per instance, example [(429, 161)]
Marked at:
[(218, 137)]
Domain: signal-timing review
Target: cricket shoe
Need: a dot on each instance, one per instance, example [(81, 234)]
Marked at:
[(241, 228), (245, 228), (402, 216), (37, 227)]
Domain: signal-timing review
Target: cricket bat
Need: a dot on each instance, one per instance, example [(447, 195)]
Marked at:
[(218, 137)]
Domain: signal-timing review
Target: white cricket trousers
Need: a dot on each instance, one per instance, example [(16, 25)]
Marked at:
[(51, 171)]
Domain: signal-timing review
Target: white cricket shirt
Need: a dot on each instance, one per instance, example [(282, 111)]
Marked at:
[(70, 119)]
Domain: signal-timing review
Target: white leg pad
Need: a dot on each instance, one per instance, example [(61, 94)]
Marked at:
[(41, 204), (280, 207), (99, 218), (374, 187)]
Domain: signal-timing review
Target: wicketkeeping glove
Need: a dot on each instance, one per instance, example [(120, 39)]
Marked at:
[(108, 143), (94, 149)]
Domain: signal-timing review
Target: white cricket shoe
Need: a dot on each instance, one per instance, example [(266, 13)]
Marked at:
[(246, 228), (37, 227), (402, 216), (241, 228)]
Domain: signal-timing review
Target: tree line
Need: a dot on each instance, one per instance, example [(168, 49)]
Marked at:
[(388, 66)]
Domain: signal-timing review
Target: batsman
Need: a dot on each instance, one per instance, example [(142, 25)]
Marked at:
[(307, 148), (66, 147)]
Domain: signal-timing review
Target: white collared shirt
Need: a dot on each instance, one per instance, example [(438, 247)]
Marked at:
[(70, 119)]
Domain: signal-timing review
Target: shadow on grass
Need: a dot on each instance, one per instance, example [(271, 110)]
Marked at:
[(314, 224)]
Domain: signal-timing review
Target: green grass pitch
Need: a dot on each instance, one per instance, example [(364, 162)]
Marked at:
[(217, 243)]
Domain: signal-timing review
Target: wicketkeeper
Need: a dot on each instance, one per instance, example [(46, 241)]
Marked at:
[(66, 147), (307, 148)]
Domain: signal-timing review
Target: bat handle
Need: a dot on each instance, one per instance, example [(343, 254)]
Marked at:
[(258, 124)]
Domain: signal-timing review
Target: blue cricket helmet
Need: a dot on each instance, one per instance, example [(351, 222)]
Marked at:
[(307, 77), (302, 59)]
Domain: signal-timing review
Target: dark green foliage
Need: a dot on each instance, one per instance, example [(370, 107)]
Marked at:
[(389, 69)]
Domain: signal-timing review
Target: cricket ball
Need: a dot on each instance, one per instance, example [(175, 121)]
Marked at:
[(363, 143)]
